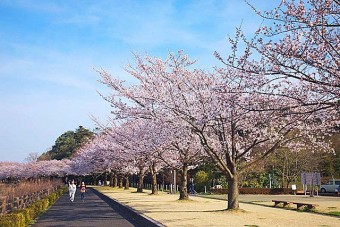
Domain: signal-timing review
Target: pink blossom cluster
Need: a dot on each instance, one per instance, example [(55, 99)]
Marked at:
[(15, 170)]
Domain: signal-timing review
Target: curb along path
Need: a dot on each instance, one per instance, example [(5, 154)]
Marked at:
[(128, 212), (94, 211)]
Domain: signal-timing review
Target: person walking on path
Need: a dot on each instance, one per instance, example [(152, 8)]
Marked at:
[(72, 190), (82, 191)]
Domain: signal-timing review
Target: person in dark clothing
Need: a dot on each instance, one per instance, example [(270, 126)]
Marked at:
[(82, 191)]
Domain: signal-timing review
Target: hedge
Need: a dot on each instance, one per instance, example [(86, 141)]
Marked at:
[(267, 191), (23, 218)]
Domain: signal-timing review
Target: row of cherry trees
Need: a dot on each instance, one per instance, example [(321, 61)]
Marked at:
[(281, 91), (35, 170), (177, 114)]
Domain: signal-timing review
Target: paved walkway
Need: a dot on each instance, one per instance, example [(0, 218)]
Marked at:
[(92, 212)]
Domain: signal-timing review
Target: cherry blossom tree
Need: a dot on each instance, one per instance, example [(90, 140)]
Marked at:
[(221, 108), (51, 168), (296, 56), (181, 151), (35, 170), (11, 170), (165, 139), (94, 158), (299, 41), (138, 145)]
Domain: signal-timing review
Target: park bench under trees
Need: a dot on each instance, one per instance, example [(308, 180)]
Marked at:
[(299, 205)]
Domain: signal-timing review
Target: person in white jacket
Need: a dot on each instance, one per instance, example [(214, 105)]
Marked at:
[(72, 190)]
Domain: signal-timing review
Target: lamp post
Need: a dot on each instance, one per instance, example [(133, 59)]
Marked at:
[(174, 171)]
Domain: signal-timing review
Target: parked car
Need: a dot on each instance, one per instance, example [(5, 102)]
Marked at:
[(330, 186), (337, 189)]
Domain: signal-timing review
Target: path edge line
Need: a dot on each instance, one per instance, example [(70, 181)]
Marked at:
[(134, 216)]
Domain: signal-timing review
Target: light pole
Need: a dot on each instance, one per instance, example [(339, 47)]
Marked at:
[(174, 181)]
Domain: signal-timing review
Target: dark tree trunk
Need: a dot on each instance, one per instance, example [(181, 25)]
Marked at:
[(121, 182), (127, 182), (154, 189), (233, 203), (94, 177), (233, 193), (105, 180), (140, 181), (111, 179), (183, 190), (115, 180), (80, 179)]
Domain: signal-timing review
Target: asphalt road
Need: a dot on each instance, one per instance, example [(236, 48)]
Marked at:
[(92, 212)]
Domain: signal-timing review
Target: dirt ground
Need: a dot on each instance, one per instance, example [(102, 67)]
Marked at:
[(326, 204), (168, 210)]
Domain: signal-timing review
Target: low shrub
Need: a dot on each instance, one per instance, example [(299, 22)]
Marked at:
[(267, 191), (16, 219), (52, 198), (29, 214)]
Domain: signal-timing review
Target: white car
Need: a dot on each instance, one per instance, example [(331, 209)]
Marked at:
[(330, 186)]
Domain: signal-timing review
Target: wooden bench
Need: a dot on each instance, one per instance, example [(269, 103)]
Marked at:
[(299, 205), (285, 203)]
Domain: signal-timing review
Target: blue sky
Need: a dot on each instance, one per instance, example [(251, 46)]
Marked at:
[(49, 50)]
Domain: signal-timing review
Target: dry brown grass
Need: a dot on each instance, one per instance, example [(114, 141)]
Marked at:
[(168, 210), (27, 187)]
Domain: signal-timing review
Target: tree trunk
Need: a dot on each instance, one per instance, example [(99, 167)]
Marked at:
[(115, 180), (105, 180), (154, 189), (233, 193), (94, 177), (183, 190), (120, 182), (232, 176), (80, 179), (284, 171), (140, 179), (127, 182), (111, 179)]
